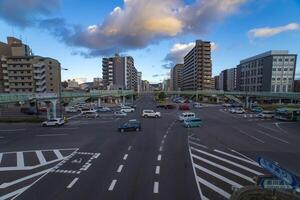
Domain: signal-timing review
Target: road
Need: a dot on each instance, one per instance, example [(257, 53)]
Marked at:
[(90, 159)]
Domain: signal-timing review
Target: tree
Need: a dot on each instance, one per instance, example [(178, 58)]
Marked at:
[(161, 95)]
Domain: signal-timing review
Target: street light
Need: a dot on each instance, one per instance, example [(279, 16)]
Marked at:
[(59, 92)]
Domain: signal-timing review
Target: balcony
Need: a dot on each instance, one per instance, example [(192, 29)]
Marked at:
[(39, 76), (39, 83)]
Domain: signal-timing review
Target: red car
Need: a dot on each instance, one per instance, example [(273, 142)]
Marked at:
[(184, 107)]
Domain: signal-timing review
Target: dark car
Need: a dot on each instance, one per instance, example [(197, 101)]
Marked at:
[(131, 125), (184, 107)]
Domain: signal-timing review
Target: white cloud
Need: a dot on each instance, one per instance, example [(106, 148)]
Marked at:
[(214, 46), (266, 32)]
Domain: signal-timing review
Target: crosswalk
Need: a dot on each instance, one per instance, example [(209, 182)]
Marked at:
[(219, 172), (28, 160)]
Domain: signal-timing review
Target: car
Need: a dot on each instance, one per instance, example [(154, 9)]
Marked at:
[(226, 105), (53, 122), (85, 109), (71, 109), (239, 111), (266, 114), (232, 110), (130, 105), (198, 105), (91, 114), (103, 109), (184, 107), (120, 114), (150, 113), (127, 109), (193, 122), (131, 125), (186, 115), (256, 109)]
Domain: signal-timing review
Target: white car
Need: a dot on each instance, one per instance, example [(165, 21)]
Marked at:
[(91, 114), (120, 114), (186, 116), (127, 109), (53, 122), (150, 113), (198, 105), (237, 111), (266, 114), (71, 109)]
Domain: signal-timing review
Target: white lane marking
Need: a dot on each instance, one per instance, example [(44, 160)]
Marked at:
[(224, 168), (222, 178), (5, 185), (58, 154), (236, 157), (112, 185), (14, 193), (157, 170), (155, 187), (242, 155), (194, 138), (20, 159), (71, 128), (277, 125), (199, 145), (41, 157), (159, 157), (1, 155), (1, 137), (129, 148), (202, 197), (160, 148), (274, 137), (272, 129), (162, 141), (26, 151), (51, 135), (86, 167), (120, 168), (214, 188), (13, 130), (73, 183), (228, 161), (251, 136), (125, 156), (165, 136)]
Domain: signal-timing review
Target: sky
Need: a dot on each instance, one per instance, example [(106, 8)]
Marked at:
[(157, 33)]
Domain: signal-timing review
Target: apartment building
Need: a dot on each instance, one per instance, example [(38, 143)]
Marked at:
[(197, 69), (272, 71), (119, 73), (176, 77)]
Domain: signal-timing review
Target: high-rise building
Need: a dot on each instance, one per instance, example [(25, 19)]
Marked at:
[(196, 73), (272, 71), (176, 77), (139, 81), (297, 86), (119, 73), (227, 80), (145, 85), (217, 78), (20, 71)]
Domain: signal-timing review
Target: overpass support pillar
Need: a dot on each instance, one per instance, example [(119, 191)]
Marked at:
[(99, 102), (247, 102), (218, 99), (123, 100), (51, 109)]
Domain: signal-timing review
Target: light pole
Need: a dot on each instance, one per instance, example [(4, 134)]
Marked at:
[(60, 90)]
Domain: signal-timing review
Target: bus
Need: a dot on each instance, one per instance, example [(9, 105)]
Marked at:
[(287, 114)]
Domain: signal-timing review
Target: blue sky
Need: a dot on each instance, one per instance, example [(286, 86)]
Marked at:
[(156, 33)]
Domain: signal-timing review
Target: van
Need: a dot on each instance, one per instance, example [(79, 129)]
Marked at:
[(193, 122), (186, 115)]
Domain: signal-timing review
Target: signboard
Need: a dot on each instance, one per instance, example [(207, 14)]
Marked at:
[(274, 183), (45, 95), (283, 174)]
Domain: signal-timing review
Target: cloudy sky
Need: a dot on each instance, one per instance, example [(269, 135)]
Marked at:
[(157, 33)]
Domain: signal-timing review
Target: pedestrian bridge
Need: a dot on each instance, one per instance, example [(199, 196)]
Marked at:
[(24, 97)]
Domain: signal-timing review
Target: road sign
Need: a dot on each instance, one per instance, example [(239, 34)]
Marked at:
[(278, 171), (274, 183)]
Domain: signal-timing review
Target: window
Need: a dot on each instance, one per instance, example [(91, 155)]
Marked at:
[(285, 69), (292, 60), (274, 69), (274, 60), (286, 60), (279, 69), (291, 69), (280, 60), (51, 79)]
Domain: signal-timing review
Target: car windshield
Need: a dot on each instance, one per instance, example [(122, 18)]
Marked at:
[(149, 100)]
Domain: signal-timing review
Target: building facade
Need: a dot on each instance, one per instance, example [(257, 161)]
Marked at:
[(176, 77), (228, 80), (272, 71), (119, 73), (20, 71), (297, 86), (197, 69)]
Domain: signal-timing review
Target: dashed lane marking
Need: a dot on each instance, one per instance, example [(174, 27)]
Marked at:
[(129, 148), (13, 130), (159, 157), (160, 148), (73, 183), (51, 135), (155, 187), (157, 170), (112, 185), (272, 136), (125, 156), (120, 168), (251, 136)]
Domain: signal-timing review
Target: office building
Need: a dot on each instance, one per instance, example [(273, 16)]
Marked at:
[(21, 71), (228, 80), (176, 77), (216, 82), (272, 71), (119, 73), (297, 86), (196, 73)]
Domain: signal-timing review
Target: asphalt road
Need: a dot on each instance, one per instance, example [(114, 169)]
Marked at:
[(89, 159)]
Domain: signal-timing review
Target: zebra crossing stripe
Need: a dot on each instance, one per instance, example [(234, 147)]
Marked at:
[(20, 160), (222, 178), (199, 145), (228, 161), (214, 188), (225, 168), (41, 157), (58, 154), (237, 157)]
